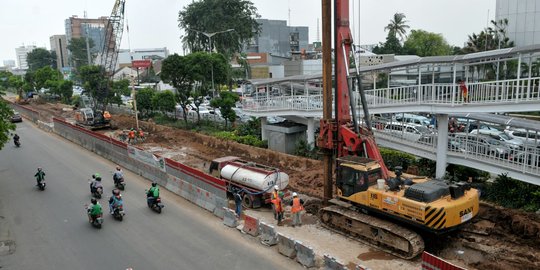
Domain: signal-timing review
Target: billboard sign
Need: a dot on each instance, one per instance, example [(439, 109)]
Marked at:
[(141, 63)]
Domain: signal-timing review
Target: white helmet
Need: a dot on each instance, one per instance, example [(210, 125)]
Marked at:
[(276, 187), (294, 194)]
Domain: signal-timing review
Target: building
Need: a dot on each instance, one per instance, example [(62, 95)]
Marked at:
[(124, 56), (523, 20), (59, 46), (21, 53), (279, 39), (84, 27), (9, 63)]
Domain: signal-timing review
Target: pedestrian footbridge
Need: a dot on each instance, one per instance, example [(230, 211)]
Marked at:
[(500, 81)]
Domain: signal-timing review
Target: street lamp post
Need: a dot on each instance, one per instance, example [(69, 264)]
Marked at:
[(211, 48)]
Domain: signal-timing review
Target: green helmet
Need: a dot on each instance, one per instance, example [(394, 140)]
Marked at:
[(97, 175)]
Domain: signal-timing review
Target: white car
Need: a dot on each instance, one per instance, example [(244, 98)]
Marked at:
[(410, 132), (512, 143), (530, 137)]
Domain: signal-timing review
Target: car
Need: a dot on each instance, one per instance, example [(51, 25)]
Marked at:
[(512, 143), (16, 117), (482, 144), (530, 137), (413, 119), (410, 132)]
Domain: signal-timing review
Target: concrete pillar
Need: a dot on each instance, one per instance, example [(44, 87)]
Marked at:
[(310, 131), (442, 145), (264, 133)]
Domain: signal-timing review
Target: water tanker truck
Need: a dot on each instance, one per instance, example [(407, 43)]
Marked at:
[(257, 181)]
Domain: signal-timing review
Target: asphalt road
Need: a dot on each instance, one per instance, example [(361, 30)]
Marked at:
[(51, 229)]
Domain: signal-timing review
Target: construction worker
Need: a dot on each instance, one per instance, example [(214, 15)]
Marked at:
[(296, 210), (131, 136), (107, 115), (140, 134), (274, 195), (278, 206)]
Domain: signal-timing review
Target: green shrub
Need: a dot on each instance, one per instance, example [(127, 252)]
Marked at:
[(513, 193), (304, 149), (393, 158)]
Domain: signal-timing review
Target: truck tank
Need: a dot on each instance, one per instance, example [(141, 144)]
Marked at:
[(255, 177)]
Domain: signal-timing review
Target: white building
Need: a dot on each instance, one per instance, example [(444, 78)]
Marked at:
[(21, 55), (124, 56), (9, 63), (523, 20)]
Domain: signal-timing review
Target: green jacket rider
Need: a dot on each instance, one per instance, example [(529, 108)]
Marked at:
[(154, 190), (40, 175), (95, 208)]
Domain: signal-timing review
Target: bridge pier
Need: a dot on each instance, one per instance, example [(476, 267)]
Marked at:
[(264, 132), (442, 145), (311, 131)]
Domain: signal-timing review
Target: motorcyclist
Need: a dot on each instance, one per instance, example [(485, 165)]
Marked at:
[(16, 139), (40, 175), (118, 175), (94, 210), (115, 200), (153, 193), (96, 183)]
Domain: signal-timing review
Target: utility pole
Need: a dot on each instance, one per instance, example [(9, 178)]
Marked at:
[(134, 97), (87, 42)]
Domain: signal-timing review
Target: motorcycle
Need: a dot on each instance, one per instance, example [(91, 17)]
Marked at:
[(97, 192), (17, 143), (155, 204), (120, 183), (96, 222), (41, 185), (118, 212)]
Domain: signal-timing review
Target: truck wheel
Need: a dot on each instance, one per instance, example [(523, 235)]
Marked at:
[(247, 202)]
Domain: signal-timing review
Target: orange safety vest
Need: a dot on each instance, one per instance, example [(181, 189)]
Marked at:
[(274, 194), (277, 204), (141, 134), (106, 115), (132, 134), (296, 206)]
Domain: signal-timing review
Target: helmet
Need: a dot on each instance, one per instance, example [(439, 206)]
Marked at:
[(117, 168), (97, 175), (116, 192), (294, 194), (94, 201), (276, 187), (98, 178), (154, 183), (39, 169)]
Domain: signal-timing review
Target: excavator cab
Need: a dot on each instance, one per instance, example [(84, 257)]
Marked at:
[(356, 174)]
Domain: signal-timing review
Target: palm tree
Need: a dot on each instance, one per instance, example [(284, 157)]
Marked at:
[(397, 26)]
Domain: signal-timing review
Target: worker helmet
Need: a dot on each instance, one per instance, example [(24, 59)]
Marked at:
[(154, 183), (117, 168), (97, 175), (39, 169), (276, 187), (116, 192), (294, 194), (94, 201)]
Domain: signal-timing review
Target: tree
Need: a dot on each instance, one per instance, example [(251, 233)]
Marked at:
[(144, 99), (39, 58), (225, 102), (45, 74), (119, 89), (177, 70), (94, 83), (79, 55), (17, 83), (4, 79), (65, 90), (218, 15), (164, 101), (489, 39), (391, 46), (5, 123), (397, 26), (423, 43)]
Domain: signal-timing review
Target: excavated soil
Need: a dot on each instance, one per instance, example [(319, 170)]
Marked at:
[(498, 238)]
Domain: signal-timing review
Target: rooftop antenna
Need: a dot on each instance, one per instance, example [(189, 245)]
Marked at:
[(87, 42), (318, 40), (289, 6)]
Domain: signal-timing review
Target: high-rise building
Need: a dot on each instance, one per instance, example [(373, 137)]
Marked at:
[(21, 53), (59, 45), (279, 39), (84, 27), (523, 20), (9, 63)]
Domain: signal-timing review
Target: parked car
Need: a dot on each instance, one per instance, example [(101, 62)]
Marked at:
[(512, 143), (16, 117), (482, 144), (410, 132), (530, 137), (413, 119)]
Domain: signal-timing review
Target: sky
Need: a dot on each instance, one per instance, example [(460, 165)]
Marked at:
[(153, 24)]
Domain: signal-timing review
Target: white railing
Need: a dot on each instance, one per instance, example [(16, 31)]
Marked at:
[(493, 92)]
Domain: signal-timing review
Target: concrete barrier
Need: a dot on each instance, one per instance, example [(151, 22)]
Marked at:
[(361, 267), (220, 205), (49, 127), (331, 263), (209, 201), (286, 246), (251, 226), (268, 234), (229, 218), (304, 254)]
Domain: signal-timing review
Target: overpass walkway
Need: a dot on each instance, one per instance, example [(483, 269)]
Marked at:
[(435, 90)]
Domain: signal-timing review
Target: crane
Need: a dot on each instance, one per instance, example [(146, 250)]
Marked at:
[(371, 202), (97, 117)]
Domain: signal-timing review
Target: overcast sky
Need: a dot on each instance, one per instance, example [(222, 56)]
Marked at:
[(154, 23)]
